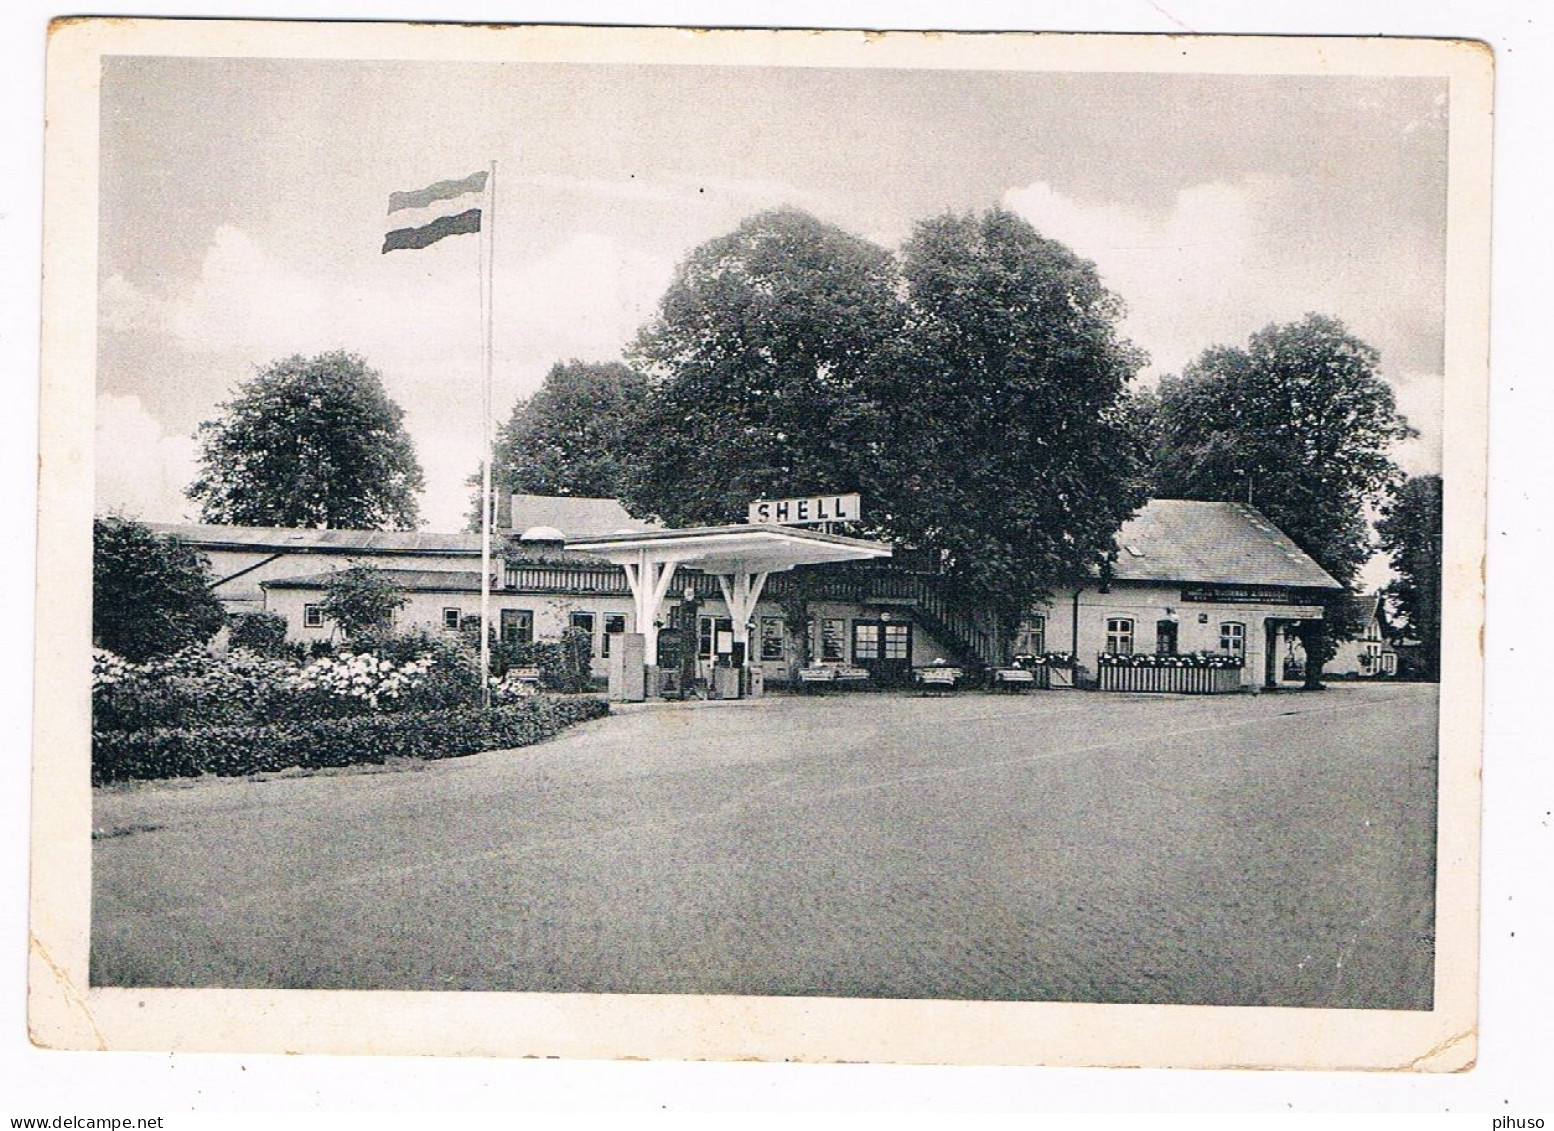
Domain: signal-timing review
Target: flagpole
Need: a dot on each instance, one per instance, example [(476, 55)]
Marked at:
[(489, 247)]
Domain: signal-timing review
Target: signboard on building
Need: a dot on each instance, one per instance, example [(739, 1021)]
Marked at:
[(801, 512)]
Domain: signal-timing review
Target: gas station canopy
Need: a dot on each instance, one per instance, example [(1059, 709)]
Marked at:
[(739, 556), (730, 549)]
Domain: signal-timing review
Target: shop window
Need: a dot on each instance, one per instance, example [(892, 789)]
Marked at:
[(313, 616), (833, 640), (1031, 639), (866, 641), (613, 623), (517, 626), (1119, 636), (450, 618), (1232, 638), (708, 629), (772, 639)]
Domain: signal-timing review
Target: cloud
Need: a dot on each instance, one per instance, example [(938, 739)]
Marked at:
[(141, 470), (415, 317), (1183, 273), (1224, 260)]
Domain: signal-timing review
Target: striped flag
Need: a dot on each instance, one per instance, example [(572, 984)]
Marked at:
[(421, 218)]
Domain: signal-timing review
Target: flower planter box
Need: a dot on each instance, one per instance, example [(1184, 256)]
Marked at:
[(1182, 675)]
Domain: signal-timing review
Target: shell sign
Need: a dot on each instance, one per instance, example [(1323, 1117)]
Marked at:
[(799, 512)]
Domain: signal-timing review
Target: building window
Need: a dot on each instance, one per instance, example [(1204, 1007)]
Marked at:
[(1232, 638), (1119, 636), (313, 616), (866, 640), (1165, 638), (708, 629), (772, 639), (613, 623), (450, 618), (1031, 639), (898, 642), (585, 623), (833, 640), (517, 626)]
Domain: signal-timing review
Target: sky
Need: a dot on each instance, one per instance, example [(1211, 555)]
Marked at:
[(242, 207)]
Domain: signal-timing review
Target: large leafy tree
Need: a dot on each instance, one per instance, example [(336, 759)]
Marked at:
[(1300, 424), (1011, 444), (309, 442), (1410, 532), (572, 437), (760, 356), (150, 593)]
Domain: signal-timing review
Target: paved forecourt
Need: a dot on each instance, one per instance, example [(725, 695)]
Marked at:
[(1275, 850)]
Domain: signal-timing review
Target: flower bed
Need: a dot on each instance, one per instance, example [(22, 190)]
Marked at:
[(167, 752), (1034, 660)]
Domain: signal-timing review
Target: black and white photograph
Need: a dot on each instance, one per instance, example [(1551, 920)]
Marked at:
[(589, 519)]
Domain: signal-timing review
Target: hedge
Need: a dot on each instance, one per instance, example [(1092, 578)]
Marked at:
[(234, 751)]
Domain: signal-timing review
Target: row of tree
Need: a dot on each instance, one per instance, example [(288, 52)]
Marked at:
[(975, 387)]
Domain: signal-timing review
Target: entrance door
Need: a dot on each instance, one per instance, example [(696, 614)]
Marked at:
[(884, 647)]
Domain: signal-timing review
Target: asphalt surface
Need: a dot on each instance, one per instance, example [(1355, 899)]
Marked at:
[(1070, 846)]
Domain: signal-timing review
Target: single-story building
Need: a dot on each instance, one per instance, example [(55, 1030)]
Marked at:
[(1189, 577)]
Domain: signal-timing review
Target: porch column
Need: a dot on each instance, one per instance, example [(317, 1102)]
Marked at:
[(649, 581), (741, 591)]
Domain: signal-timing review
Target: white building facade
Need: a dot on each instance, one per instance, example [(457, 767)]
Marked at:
[(1190, 577)]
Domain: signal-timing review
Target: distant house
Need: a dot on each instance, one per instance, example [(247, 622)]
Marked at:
[(1370, 654), (1189, 577)]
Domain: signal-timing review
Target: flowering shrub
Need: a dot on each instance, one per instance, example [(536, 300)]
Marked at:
[(239, 750), (191, 687), (373, 680), (1169, 660), (1044, 660)]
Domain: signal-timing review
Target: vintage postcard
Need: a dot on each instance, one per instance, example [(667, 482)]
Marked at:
[(791, 545)]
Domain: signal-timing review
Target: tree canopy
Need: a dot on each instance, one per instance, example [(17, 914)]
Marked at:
[(309, 442), (759, 356), (572, 437), (150, 593), (1010, 447), (1410, 533), (359, 598), (1300, 423)]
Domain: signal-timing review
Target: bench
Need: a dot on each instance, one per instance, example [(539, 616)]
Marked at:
[(826, 675), (816, 677), (524, 675), (938, 679), (1013, 679)]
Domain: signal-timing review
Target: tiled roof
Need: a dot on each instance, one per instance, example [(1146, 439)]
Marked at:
[(1360, 610), (574, 516), (1212, 543), (291, 539), (411, 580)]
